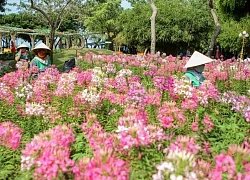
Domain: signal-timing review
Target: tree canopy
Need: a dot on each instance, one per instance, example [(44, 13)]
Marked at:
[(181, 23), (232, 8), (2, 4), (103, 19)]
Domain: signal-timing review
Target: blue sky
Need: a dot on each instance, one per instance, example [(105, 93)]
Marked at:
[(125, 4), (12, 8)]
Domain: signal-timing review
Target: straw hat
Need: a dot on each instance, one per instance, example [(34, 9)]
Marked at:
[(41, 46), (22, 46), (197, 59)]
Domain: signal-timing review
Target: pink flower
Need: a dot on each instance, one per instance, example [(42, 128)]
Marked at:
[(6, 94), (171, 116), (195, 126), (206, 147), (49, 153), (224, 163), (66, 86), (208, 124), (104, 165), (189, 103), (185, 143), (10, 135)]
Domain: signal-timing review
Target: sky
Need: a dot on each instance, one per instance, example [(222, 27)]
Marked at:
[(125, 4), (12, 8)]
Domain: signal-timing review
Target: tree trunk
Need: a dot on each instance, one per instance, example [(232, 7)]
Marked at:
[(47, 41), (51, 43), (217, 30), (86, 42), (67, 42), (1, 42), (153, 36), (82, 42), (32, 39)]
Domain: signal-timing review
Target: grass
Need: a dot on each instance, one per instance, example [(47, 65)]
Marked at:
[(61, 56)]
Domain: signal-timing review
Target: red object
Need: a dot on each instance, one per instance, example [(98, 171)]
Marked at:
[(13, 47)]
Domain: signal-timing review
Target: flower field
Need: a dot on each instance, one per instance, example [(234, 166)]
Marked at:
[(118, 117)]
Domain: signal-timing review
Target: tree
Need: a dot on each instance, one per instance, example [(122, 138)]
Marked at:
[(2, 4), (23, 20), (135, 26), (103, 19), (217, 31), (234, 18), (229, 37), (54, 13), (235, 9), (153, 35), (152, 18), (180, 24)]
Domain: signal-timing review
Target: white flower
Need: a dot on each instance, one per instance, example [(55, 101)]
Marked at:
[(26, 163), (34, 109), (158, 176), (124, 72), (91, 95), (121, 129), (174, 177), (191, 176), (23, 90)]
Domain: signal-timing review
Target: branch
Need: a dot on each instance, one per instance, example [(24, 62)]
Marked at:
[(216, 21), (59, 24), (211, 4), (217, 31), (41, 11), (60, 14)]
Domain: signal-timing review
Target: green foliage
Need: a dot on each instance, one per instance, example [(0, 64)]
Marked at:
[(235, 9), (229, 127), (178, 22), (229, 36), (103, 19), (9, 163), (107, 119), (135, 2), (10, 160), (144, 160), (81, 147), (23, 20), (66, 54), (135, 24), (2, 4)]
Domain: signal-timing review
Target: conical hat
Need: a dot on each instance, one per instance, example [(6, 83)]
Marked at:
[(197, 59), (41, 46), (22, 46)]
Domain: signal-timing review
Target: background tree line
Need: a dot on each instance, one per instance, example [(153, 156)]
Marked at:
[(179, 24)]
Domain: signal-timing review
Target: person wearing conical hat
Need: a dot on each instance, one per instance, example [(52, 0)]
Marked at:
[(195, 67), (41, 60), (22, 54)]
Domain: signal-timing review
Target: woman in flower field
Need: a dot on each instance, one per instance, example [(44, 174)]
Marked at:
[(195, 67), (22, 53), (22, 57), (41, 60)]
